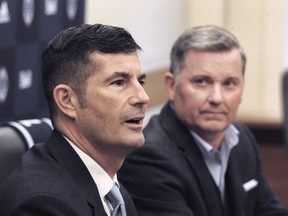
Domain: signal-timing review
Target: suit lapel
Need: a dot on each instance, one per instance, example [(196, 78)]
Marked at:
[(68, 158), (184, 140), (129, 205), (234, 182), (208, 187)]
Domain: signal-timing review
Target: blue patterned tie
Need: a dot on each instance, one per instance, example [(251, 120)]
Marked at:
[(115, 198)]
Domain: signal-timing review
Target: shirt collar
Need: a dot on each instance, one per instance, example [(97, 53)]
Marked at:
[(100, 176), (232, 136), (231, 139)]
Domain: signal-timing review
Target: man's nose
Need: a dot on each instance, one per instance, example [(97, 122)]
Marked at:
[(216, 95), (140, 96)]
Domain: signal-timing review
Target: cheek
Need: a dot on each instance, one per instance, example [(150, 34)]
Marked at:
[(235, 101), (188, 100), (102, 102), (238, 97)]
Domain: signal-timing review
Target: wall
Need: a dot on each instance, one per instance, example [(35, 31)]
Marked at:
[(153, 24), (286, 35), (258, 24)]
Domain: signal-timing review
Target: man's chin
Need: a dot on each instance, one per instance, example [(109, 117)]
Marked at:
[(136, 142), (214, 127)]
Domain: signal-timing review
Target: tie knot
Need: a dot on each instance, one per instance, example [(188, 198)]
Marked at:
[(114, 196)]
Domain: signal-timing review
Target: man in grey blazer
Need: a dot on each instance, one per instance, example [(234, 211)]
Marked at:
[(93, 83), (196, 159)]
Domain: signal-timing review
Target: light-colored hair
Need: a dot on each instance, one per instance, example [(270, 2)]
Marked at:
[(203, 38)]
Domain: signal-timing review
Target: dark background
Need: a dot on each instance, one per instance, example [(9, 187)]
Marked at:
[(26, 26)]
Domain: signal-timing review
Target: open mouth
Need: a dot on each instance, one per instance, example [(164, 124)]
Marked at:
[(134, 121)]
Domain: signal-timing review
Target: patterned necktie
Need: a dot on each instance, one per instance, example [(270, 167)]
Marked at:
[(115, 198)]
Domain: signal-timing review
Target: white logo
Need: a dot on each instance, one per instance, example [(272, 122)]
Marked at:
[(30, 122), (71, 9), (4, 13), (4, 84), (25, 79), (28, 8), (50, 7)]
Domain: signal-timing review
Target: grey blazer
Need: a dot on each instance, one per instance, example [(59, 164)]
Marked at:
[(170, 176), (51, 179)]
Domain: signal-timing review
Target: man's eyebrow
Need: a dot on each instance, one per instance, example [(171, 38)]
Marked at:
[(142, 76), (118, 74), (122, 74)]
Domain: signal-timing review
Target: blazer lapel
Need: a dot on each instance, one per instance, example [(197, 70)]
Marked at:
[(129, 205), (182, 137), (207, 185), (234, 182), (69, 159)]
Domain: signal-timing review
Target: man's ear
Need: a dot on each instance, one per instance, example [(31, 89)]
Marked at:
[(169, 82), (66, 100)]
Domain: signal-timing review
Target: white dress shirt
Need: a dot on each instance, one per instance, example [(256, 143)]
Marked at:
[(101, 178)]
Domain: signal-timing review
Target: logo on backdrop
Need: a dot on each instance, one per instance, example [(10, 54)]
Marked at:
[(50, 7), (28, 9), (4, 13), (25, 79), (4, 84), (71, 9)]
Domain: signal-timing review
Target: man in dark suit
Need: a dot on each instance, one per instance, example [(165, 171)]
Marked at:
[(196, 159), (93, 83)]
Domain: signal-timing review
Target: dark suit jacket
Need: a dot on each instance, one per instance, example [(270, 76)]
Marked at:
[(170, 176), (51, 179)]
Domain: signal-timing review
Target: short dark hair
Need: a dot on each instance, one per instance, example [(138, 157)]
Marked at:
[(66, 59), (203, 38)]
